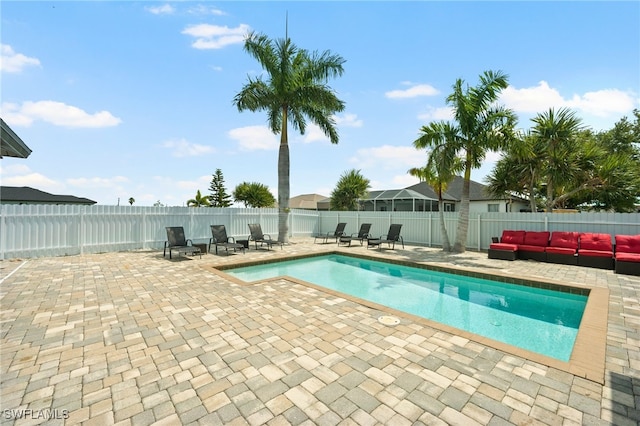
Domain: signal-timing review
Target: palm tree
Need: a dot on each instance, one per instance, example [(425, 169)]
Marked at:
[(480, 126), (199, 200), (442, 166), (295, 90), (132, 200), (557, 131), (254, 195), (351, 188), (519, 169)]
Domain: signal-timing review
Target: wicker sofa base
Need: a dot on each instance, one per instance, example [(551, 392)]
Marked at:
[(627, 268), (503, 254), (596, 262), (540, 256), (563, 259)]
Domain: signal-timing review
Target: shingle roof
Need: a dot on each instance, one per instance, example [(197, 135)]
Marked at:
[(10, 144), (25, 194), (477, 191)]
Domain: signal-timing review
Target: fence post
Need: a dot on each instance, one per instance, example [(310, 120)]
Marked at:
[(479, 233), (3, 230)]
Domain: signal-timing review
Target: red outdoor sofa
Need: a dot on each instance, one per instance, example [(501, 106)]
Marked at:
[(589, 249), (627, 255)]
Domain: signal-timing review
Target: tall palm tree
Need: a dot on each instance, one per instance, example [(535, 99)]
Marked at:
[(557, 131), (199, 200), (480, 126), (295, 90), (442, 166)]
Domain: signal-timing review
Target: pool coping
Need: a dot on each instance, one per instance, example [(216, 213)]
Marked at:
[(587, 358)]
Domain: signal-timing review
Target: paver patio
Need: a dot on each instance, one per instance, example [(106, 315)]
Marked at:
[(136, 339)]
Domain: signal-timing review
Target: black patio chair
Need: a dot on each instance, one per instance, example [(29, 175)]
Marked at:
[(392, 237), (335, 234), (362, 235), (259, 237), (219, 238), (177, 241)]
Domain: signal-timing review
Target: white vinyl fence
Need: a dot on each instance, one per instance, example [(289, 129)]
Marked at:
[(28, 231)]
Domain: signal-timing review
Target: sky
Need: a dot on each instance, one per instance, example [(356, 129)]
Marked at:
[(134, 99)]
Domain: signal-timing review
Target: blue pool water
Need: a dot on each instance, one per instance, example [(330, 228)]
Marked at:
[(539, 320)]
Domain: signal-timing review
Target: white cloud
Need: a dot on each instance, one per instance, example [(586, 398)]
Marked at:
[(313, 134), (437, 114), (33, 180), (413, 92), (183, 148), (215, 36), (403, 181), (254, 138), (204, 10), (56, 113), (389, 157), (348, 120), (537, 99), (13, 62), (165, 9)]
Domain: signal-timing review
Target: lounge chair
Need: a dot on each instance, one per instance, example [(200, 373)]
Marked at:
[(362, 235), (335, 234), (219, 238), (259, 237), (391, 238), (176, 241)]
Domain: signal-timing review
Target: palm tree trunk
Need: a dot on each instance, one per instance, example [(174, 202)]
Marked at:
[(549, 195), (283, 183), (460, 245), (446, 245)]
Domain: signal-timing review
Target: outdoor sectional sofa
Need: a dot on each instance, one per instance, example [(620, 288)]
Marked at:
[(627, 255), (589, 249)]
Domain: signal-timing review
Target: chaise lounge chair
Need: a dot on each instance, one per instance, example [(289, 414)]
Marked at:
[(392, 237), (335, 234), (362, 235), (259, 237), (219, 238), (176, 241)]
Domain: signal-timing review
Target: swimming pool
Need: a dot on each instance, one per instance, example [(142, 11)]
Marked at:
[(539, 320)]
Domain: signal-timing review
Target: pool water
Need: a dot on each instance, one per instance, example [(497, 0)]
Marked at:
[(538, 320)]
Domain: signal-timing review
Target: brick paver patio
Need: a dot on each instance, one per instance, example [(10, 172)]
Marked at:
[(136, 339)]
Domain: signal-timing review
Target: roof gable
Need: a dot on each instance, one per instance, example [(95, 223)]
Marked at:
[(25, 194)]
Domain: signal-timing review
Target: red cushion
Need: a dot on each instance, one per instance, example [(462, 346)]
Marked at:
[(595, 253), (628, 244), (564, 239), (560, 250), (512, 237), (537, 249), (536, 238), (628, 257), (503, 246), (593, 241)]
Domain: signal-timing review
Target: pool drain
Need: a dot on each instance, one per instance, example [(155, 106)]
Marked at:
[(388, 320)]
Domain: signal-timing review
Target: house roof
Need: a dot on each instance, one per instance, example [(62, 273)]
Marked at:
[(25, 194), (10, 144), (477, 191), (306, 201)]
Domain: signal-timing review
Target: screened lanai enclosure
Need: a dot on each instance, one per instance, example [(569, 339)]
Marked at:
[(402, 200)]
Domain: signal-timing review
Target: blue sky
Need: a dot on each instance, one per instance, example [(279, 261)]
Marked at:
[(122, 99)]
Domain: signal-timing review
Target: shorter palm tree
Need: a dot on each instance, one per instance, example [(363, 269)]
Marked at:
[(199, 200), (442, 166), (132, 200), (254, 195), (351, 188)]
